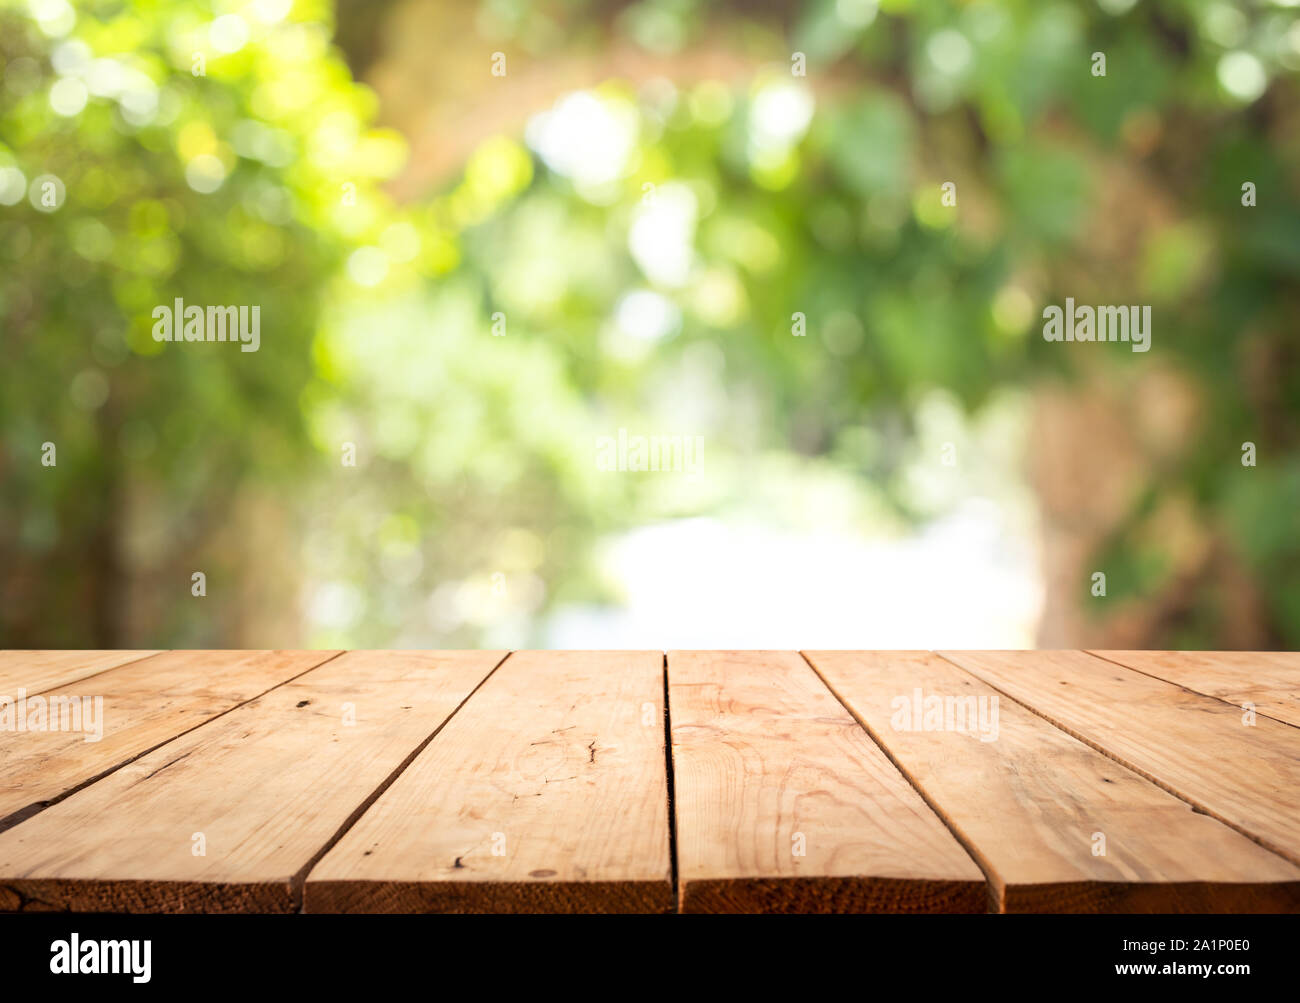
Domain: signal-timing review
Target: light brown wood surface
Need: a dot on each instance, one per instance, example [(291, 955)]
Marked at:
[(384, 782), (1195, 746), (548, 792), (38, 671), (1056, 825), (767, 762), (268, 786), (1270, 680), (144, 704)]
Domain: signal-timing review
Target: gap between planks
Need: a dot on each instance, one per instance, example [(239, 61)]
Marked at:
[(672, 789)]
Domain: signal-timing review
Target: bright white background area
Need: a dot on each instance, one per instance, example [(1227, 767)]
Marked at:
[(968, 580)]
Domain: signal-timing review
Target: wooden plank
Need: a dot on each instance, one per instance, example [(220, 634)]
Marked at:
[(1029, 801), (135, 708), (767, 763), (265, 788), (1194, 746), (1270, 680), (548, 792), (38, 671)]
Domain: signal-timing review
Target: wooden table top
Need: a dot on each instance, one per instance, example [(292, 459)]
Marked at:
[(634, 781)]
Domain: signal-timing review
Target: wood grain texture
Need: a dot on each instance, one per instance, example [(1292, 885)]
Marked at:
[(38, 671), (144, 704), (1268, 679), (765, 756), (268, 786), (548, 792), (1029, 800), (1195, 746)]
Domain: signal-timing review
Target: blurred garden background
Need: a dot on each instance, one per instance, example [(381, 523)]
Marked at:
[(483, 235)]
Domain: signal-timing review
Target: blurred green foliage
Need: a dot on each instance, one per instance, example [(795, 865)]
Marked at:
[(262, 182)]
